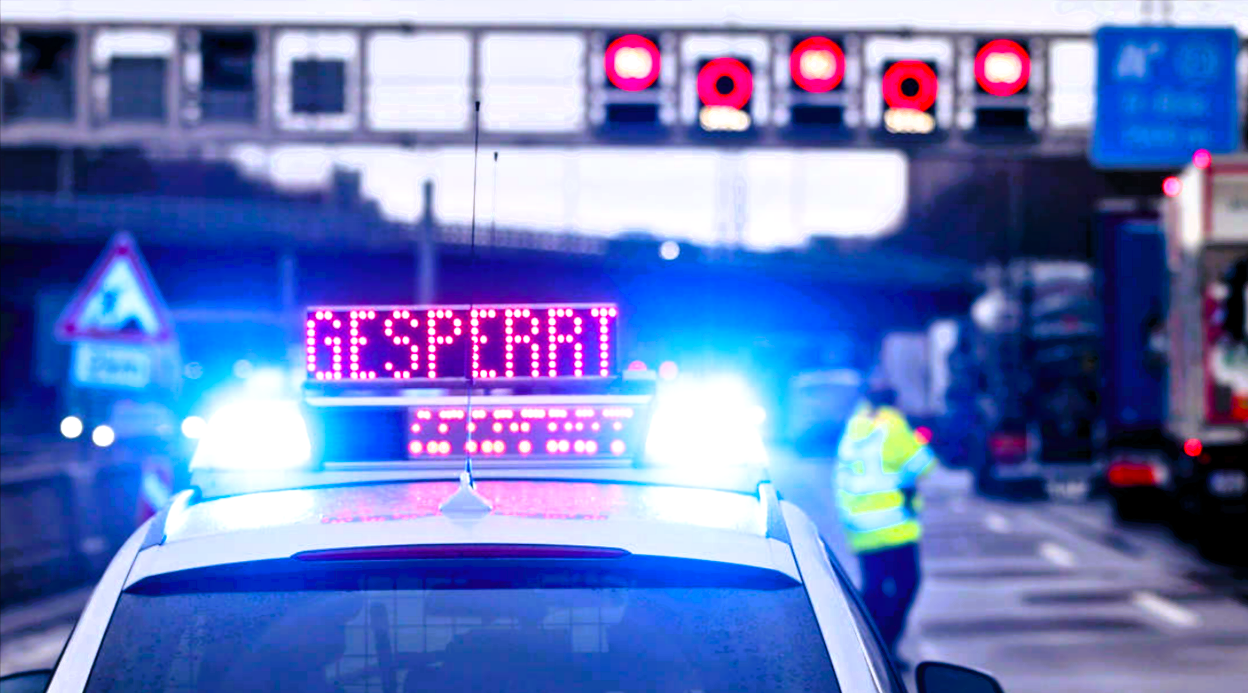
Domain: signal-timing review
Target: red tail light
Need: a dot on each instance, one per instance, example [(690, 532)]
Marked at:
[(1008, 446), (1192, 446), (1124, 473), (452, 551)]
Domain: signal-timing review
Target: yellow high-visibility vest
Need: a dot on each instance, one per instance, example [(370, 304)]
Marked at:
[(878, 460)]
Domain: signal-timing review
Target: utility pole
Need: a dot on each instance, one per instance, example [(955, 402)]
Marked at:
[(65, 173), (288, 280), (1019, 222), (1017, 249), (426, 251)]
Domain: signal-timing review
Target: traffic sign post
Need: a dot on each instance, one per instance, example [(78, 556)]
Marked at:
[(120, 381), (1162, 94), (121, 366), (117, 323), (118, 302)]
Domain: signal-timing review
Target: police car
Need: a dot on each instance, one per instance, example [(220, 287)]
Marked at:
[(469, 498)]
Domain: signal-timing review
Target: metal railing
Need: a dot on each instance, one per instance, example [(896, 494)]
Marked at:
[(64, 510)]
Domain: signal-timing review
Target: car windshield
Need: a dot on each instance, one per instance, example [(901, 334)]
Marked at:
[(465, 629)]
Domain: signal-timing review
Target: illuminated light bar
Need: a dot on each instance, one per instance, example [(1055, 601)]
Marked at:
[(632, 62), (580, 431), (907, 121), (346, 345), (723, 119), (817, 64), (1002, 67)]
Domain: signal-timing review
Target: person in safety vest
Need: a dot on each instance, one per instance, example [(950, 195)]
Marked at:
[(879, 462)]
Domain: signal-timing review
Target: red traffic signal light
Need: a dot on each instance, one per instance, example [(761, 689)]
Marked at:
[(817, 64), (724, 87), (632, 62), (1002, 67), (725, 82), (910, 85)]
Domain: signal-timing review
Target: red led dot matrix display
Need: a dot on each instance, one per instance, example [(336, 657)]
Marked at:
[(585, 431)]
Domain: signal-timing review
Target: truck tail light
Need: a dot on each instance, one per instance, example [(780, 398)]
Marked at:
[(1192, 446), (1008, 447), (1127, 473)]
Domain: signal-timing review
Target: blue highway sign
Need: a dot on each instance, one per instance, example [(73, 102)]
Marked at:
[(1163, 93)]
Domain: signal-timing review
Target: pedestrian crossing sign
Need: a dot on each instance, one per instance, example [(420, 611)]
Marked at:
[(118, 302)]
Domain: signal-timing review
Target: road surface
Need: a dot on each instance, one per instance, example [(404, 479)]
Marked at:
[(1047, 596), (1052, 596)]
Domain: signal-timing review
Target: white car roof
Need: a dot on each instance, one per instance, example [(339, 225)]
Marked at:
[(649, 520)]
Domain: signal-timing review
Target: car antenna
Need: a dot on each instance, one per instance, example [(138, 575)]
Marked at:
[(494, 204), (466, 500)]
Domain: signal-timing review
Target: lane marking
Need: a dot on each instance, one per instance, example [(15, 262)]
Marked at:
[(1131, 545), (997, 523), (1057, 555), (1165, 609), (1109, 537)]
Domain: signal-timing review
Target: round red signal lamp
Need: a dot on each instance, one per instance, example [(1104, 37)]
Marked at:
[(725, 82), (1201, 158), (632, 62), (1172, 186), (817, 64), (1002, 67), (910, 76)]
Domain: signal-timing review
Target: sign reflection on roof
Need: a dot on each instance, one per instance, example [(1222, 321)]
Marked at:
[(546, 500)]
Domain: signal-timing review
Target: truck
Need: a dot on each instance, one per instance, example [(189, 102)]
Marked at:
[(822, 396), (1035, 337), (1133, 292), (820, 388), (1206, 419)]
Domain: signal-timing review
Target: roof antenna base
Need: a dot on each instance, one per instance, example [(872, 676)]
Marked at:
[(465, 500)]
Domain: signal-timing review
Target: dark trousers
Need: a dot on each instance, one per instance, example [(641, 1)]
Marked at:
[(890, 582)]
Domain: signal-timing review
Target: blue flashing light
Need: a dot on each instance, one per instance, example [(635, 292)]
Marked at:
[(255, 435), (712, 422), (193, 427)]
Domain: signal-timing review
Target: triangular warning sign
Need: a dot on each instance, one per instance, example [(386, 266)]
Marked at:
[(118, 302)]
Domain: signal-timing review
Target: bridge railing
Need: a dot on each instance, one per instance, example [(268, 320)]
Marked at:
[(65, 509)]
